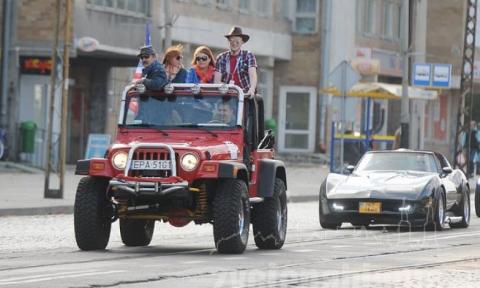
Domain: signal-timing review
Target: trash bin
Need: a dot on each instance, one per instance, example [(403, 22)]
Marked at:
[(270, 124), (28, 130)]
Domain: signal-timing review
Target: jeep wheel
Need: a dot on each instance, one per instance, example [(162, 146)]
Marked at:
[(136, 232), (231, 216), (92, 214), (270, 219)]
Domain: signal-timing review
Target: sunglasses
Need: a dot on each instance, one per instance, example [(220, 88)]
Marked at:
[(201, 58), (179, 57), (144, 56)]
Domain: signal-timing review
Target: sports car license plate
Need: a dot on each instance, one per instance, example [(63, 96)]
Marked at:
[(151, 165), (370, 207)]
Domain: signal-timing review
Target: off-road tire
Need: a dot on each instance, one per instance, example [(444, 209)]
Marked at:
[(270, 219), (463, 210), (136, 232), (477, 200), (92, 214), (231, 216), (435, 223)]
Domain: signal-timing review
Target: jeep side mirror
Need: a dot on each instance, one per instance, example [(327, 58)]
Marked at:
[(268, 141), (447, 170), (349, 169)]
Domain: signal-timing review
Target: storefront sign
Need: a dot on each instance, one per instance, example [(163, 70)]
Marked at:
[(421, 75), (366, 67), (36, 65), (432, 75), (87, 44), (97, 145)]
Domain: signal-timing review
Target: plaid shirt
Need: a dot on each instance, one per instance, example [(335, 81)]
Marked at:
[(245, 60)]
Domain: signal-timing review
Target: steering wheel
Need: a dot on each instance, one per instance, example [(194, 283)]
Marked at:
[(215, 122)]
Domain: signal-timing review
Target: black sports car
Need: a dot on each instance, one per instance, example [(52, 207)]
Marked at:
[(403, 187)]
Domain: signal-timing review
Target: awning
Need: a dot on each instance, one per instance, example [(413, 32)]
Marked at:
[(384, 91)]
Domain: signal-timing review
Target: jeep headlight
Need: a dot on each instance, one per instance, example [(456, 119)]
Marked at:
[(189, 162), (119, 160)]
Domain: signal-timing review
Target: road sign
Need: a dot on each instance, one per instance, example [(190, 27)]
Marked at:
[(442, 75), (421, 74), (344, 81), (97, 145)]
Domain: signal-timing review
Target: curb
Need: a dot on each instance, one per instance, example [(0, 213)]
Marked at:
[(57, 210)]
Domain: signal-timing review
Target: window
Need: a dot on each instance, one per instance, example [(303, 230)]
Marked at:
[(369, 18), (223, 3), (244, 5), (306, 16), (265, 87), (130, 7), (391, 20), (264, 7)]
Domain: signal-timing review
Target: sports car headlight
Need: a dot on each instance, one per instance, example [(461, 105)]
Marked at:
[(119, 160), (189, 162)]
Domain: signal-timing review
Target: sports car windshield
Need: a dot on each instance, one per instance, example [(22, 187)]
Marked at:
[(180, 111), (397, 161)]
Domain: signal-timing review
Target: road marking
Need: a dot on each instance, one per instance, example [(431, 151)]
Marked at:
[(303, 251), (194, 262), (234, 258), (56, 276), (341, 246)]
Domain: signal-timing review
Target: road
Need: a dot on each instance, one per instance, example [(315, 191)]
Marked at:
[(40, 251)]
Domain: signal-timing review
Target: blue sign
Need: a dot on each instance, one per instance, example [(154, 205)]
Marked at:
[(442, 75), (421, 74), (97, 145)]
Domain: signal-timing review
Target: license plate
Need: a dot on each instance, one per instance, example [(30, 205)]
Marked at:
[(151, 165), (370, 207)]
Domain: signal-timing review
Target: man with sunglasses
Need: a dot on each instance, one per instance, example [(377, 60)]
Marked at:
[(237, 66), (153, 73)]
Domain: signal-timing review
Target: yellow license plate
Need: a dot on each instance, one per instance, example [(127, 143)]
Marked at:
[(370, 207)]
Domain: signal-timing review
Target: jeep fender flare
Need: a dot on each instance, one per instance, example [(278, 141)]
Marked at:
[(268, 170), (234, 170)]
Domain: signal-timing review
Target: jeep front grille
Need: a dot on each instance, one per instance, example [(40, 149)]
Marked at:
[(152, 154)]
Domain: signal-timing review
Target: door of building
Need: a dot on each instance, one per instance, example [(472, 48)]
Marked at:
[(297, 110)]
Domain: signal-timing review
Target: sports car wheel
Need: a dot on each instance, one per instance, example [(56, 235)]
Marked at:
[(477, 200), (437, 220), (463, 210), (324, 223)]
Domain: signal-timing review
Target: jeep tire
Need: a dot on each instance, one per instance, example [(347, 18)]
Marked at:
[(92, 214), (270, 219), (136, 232), (231, 216)]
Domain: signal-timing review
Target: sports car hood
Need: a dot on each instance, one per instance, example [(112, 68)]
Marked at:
[(407, 185)]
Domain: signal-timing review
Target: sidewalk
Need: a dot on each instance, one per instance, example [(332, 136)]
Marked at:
[(22, 191)]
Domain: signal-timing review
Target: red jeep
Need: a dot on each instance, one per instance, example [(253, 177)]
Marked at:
[(188, 153)]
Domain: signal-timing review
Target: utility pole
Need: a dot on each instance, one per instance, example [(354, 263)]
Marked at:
[(53, 83), (168, 24), (405, 113), (6, 38), (66, 67)]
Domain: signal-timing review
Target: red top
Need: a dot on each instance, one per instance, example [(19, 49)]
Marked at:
[(233, 70)]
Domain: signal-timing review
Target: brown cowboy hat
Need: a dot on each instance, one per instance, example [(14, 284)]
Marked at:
[(237, 31)]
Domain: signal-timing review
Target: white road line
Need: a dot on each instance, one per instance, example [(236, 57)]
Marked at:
[(193, 262), (234, 258), (303, 251), (37, 278)]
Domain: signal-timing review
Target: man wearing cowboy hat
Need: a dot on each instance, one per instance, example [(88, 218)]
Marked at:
[(237, 66), (153, 73)]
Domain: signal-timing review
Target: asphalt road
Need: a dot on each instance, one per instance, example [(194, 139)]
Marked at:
[(40, 251)]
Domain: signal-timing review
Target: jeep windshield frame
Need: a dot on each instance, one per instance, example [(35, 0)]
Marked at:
[(207, 106)]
